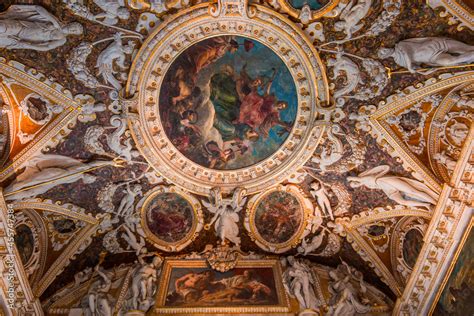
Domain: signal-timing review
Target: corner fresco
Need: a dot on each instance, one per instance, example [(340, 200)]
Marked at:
[(228, 102)]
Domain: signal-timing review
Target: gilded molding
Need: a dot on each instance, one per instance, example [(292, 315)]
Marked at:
[(196, 24), (394, 145), (450, 219)]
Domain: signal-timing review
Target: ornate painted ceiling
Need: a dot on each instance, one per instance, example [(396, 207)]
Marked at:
[(278, 157)]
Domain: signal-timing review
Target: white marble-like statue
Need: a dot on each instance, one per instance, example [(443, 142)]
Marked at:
[(431, 51), (51, 170), (346, 287), (344, 65), (404, 191), (299, 282), (305, 14), (126, 204), (114, 54), (32, 27), (113, 11), (321, 195), (144, 282), (351, 17), (98, 297), (226, 215)]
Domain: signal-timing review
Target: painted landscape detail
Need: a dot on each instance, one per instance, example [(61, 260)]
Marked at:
[(278, 217), (169, 217), (195, 287), (458, 293), (228, 102)]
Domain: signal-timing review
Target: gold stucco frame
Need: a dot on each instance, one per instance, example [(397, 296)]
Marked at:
[(286, 7), (306, 209), (197, 225), (453, 262), (205, 21), (274, 264)]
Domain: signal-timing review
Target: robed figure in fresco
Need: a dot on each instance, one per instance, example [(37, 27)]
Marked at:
[(221, 118)]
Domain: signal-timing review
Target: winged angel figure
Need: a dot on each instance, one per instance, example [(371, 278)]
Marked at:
[(226, 214), (408, 192)]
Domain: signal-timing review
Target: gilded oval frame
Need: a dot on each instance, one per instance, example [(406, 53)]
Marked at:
[(194, 25), (196, 227), (307, 213)]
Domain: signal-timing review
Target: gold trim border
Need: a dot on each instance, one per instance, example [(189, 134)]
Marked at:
[(306, 209), (282, 307), (196, 24), (197, 225)]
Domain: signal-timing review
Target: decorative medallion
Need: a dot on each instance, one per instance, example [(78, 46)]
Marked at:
[(278, 219), (170, 218), (226, 102)]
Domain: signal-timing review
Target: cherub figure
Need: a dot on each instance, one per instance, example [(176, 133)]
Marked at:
[(126, 204)]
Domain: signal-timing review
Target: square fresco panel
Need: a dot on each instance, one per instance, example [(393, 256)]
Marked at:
[(192, 286)]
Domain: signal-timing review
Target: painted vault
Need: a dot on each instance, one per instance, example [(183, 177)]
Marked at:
[(281, 157)]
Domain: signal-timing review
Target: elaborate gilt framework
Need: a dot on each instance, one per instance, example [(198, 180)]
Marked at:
[(450, 220), (286, 7), (306, 210), (382, 131), (454, 260), (458, 10), (160, 308), (198, 220), (205, 21)]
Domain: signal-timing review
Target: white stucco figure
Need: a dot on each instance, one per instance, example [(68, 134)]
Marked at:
[(113, 11), (32, 27), (445, 160), (144, 278), (226, 215), (343, 65), (98, 298), (318, 191), (51, 168), (126, 204), (408, 192), (305, 14), (347, 287), (351, 17), (114, 54), (135, 242), (430, 51), (299, 282)]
